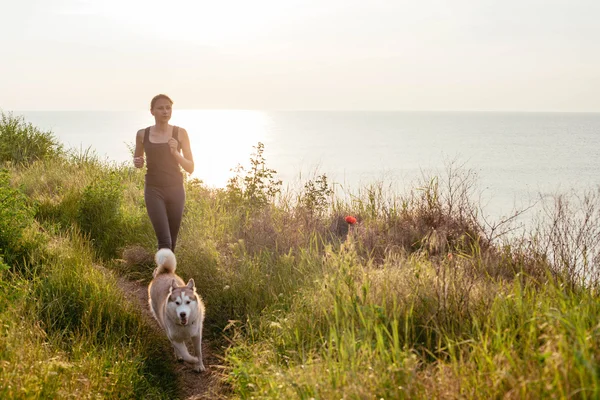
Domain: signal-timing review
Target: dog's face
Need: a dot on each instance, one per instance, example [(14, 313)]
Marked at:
[(182, 304)]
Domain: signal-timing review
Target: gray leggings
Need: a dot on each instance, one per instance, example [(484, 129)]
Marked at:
[(165, 209)]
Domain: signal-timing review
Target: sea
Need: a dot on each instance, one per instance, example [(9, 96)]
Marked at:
[(516, 158)]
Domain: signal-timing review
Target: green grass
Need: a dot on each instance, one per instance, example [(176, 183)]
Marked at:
[(70, 333), (419, 299), (388, 332), (21, 143)]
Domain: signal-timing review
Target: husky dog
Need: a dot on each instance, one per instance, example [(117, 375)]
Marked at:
[(177, 308)]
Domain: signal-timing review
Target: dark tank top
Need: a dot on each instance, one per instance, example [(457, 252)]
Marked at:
[(162, 168)]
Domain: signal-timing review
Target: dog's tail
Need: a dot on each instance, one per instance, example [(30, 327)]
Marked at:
[(165, 262)]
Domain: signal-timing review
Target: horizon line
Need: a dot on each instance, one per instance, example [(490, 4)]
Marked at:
[(309, 110)]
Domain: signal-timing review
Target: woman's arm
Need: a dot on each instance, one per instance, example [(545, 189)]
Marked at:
[(186, 160), (138, 153)]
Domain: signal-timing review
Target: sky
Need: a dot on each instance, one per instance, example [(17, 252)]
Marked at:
[(460, 55)]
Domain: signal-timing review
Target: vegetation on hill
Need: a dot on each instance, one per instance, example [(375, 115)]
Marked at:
[(422, 297)]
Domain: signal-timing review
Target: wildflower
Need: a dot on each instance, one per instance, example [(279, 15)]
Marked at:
[(450, 256), (350, 219)]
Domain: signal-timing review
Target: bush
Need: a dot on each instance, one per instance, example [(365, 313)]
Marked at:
[(16, 217), (22, 143), (99, 215), (258, 187), (568, 236), (315, 197)]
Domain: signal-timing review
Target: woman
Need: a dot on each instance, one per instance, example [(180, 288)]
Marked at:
[(164, 194)]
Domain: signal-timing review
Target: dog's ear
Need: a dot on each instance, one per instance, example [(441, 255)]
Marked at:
[(173, 284), (191, 284)]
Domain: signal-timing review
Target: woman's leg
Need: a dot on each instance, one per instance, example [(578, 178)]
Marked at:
[(174, 204), (157, 211)]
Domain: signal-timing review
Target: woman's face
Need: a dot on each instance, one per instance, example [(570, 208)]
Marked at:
[(162, 110)]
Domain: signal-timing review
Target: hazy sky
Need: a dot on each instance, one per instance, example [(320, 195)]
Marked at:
[(505, 55)]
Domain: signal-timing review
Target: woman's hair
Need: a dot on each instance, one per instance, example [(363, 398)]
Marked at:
[(158, 97)]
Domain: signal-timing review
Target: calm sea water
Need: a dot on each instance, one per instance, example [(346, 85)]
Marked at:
[(517, 156)]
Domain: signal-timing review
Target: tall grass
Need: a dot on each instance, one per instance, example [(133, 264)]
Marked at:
[(401, 331), (71, 333), (422, 298), (102, 201), (81, 306), (22, 143)]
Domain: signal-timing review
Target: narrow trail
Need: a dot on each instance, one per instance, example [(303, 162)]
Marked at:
[(193, 385)]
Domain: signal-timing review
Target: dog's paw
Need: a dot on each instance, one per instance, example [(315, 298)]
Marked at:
[(192, 360), (199, 367)]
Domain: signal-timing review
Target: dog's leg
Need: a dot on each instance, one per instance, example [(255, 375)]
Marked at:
[(197, 342), (177, 355), (183, 351)]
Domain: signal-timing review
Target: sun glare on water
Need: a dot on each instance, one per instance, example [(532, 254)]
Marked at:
[(220, 140)]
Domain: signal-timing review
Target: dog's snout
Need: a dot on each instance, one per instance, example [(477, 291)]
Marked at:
[(182, 314)]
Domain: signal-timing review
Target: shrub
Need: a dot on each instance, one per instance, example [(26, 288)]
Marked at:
[(22, 143), (16, 217), (258, 187), (568, 235), (315, 196), (99, 214)]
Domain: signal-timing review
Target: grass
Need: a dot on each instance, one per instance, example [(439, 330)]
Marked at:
[(422, 298), (70, 333), (389, 333)]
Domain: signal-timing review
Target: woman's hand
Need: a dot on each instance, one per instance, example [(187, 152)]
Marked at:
[(173, 144), (138, 162)]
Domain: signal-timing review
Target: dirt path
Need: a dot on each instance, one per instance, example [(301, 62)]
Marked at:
[(193, 385)]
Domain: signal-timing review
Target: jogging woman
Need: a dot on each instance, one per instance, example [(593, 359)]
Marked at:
[(167, 150)]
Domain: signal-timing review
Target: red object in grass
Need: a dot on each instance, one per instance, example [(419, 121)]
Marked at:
[(350, 219)]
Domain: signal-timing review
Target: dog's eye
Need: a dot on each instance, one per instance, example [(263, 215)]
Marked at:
[(178, 302), (188, 302)]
